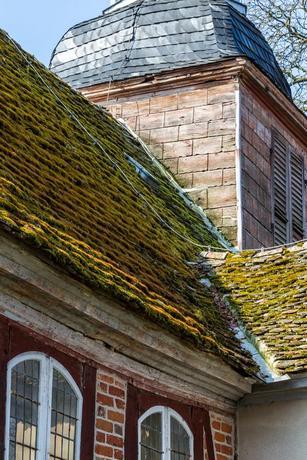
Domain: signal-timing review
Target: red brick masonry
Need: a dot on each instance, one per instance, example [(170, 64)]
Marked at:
[(223, 433), (110, 420)]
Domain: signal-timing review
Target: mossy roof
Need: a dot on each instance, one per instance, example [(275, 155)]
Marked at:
[(268, 290), (60, 194)]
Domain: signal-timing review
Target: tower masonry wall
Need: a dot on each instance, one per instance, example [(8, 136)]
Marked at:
[(192, 131), (257, 123), (216, 138)]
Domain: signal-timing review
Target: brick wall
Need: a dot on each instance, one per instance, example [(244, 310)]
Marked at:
[(193, 133), (110, 416), (223, 434), (257, 123), (111, 395)]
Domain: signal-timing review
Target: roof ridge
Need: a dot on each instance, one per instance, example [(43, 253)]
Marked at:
[(301, 244)]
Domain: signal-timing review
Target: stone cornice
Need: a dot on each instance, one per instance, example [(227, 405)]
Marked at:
[(52, 303), (238, 69), (164, 81)]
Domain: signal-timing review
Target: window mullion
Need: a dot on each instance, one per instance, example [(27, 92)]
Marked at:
[(49, 404), (166, 433), (43, 416), (8, 413)]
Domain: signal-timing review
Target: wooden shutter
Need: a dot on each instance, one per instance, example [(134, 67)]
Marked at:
[(297, 196), (280, 189)]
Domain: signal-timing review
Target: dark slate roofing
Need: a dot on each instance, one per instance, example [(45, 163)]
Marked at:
[(268, 290), (61, 193), (150, 36)]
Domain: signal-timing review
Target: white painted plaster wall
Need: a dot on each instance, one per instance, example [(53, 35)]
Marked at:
[(275, 431)]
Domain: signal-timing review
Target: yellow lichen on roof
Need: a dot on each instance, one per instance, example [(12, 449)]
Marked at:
[(268, 289), (61, 194)]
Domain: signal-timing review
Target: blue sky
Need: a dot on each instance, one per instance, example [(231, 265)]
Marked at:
[(38, 24)]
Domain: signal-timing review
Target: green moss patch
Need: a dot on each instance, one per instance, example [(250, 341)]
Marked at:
[(268, 289), (61, 194)]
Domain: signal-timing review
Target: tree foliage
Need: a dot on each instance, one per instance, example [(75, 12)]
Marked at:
[(284, 24)]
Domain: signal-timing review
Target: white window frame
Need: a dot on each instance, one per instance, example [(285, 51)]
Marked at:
[(166, 413), (47, 366)]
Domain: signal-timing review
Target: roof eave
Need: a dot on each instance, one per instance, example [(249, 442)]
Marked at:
[(287, 390), (37, 295)]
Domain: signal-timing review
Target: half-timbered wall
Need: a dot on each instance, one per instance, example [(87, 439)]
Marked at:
[(223, 433), (113, 403)]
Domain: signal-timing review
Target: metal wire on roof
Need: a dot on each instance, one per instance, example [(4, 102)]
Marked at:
[(115, 165)]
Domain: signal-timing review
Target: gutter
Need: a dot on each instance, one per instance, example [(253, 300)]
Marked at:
[(287, 390), (266, 373)]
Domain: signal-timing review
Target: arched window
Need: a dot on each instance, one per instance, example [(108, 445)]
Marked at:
[(164, 435), (43, 412)]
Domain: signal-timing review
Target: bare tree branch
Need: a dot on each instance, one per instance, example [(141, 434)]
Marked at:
[(284, 24)]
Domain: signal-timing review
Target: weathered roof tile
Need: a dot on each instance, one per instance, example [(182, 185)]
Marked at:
[(61, 194), (268, 290)]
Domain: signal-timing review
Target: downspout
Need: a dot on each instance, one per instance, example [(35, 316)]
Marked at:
[(238, 166)]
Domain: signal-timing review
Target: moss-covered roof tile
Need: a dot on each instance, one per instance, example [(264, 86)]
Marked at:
[(61, 194), (268, 290)]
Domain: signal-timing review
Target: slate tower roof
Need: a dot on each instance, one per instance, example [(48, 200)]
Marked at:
[(150, 36)]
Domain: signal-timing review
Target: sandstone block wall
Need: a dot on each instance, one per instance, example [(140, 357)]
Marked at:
[(193, 133), (257, 123)]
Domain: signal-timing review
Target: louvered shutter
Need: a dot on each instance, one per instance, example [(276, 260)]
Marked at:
[(297, 196), (280, 189)]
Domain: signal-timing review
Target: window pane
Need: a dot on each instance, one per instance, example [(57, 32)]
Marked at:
[(24, 410), (180, 441), (151, 437), (63, 419)]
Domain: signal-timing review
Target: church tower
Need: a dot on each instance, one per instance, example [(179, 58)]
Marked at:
[(199, 84)]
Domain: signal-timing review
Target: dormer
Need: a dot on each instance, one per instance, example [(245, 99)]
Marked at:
[(198, 83)]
